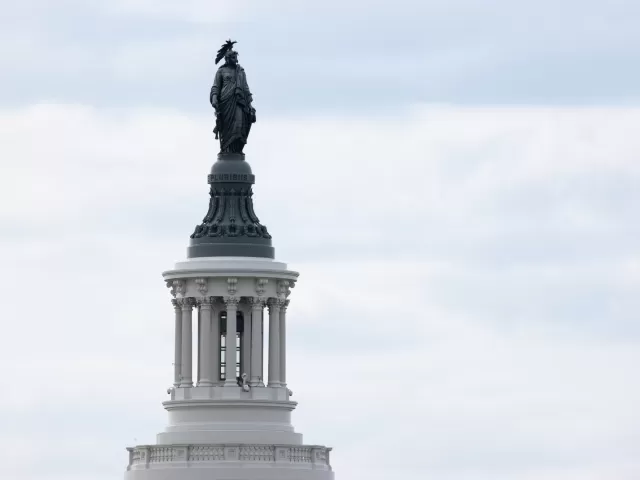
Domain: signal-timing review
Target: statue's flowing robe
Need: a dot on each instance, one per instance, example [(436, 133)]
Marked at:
[(235, 113)]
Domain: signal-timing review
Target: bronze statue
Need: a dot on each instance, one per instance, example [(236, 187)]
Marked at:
[(231, 99)]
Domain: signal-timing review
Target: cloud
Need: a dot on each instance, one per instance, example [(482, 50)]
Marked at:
[(466, 302), (364, 56)]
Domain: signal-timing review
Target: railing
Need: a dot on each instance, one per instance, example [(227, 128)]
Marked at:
[(153, 456)]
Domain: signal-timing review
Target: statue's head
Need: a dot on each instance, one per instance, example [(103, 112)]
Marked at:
[(226, 51), (231, 58)]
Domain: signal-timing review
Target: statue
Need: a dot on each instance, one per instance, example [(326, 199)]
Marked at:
[(231, 99)]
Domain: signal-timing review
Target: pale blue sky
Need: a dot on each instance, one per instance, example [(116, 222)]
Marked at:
[(362, 55), (467, 170)]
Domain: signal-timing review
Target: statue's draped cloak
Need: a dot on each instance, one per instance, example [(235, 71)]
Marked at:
[(235, 113)]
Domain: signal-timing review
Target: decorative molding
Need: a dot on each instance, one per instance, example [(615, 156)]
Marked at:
[(300, 454), (206, 453), (284, 288), (162, 454), (222, 219), (261, 285), (232, 285), (231, 453), (178, 287), (257, 453), (154, 456), (203, 285)]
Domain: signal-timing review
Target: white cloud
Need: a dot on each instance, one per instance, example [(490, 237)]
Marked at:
[(466, 308), (384, 53)]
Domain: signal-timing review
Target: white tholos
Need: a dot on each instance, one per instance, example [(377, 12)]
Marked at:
[(226, 420)]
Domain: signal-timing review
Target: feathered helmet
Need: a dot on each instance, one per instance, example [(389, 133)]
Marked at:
[(224, 49)]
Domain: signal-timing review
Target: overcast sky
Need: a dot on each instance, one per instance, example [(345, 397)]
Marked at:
[(456, 181)]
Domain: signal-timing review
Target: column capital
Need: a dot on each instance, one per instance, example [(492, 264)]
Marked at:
[(205, 302), (273, 304), (232, 301), (176, 303), (187, 303), (257, 303), (281, 303), (216, 301)]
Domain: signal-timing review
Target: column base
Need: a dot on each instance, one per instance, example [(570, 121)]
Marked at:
[(214, 392)]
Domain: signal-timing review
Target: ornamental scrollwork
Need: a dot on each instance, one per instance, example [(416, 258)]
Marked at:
[(232, 285), (178, 287), (203, 285), (284, 288), (261, 285)]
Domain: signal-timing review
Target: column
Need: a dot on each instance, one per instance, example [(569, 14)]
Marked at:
[(187, 306), (198, 341), (274, 341), (177, 359), (283, 342), (204, 358), (214, 359), (246, 342), (231, 342), (256, 342)]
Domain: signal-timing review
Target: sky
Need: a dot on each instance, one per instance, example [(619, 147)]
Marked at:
[(457, 183)]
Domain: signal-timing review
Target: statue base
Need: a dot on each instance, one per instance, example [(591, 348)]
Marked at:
[(231, 228)]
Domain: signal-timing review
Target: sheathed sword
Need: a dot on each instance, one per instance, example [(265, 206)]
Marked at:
[(216, 129)]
